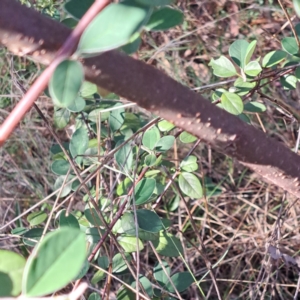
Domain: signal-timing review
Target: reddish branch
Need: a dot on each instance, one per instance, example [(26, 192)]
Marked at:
[(25, 32)]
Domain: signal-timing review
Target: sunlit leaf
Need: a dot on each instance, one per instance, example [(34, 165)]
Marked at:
[(232, 103), (190, 185), (223, 67)]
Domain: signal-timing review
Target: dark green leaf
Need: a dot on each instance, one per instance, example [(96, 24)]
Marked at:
[(94, 296), (65, 83), (67, 221), (54, 263), (164, 18), (60, 167), (144, 281), (118, 22), (150, 160), (223, 67), (249, 52), (273, 58), (160, 274), (77, 8), (190, 185), (255, 107), (149, 220), (168, 245), (144, 190), (70, 22), (118, 263), (79, 143), (116, 118), (11, 271), (124, 157), (181, 281), (289, 45), (31, 237), (92, 216), (77, 106), (289, 81), (133, 45), (165, 143)]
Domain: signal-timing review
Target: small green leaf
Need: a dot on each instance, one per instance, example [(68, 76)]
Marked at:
[(128, 224), (133, 45), (67, 221), (32, 236), (67, 187), (165, 143), (155, 2), (124, 157), (223, 67), (238, 52), (289, 44), (160, 274), (150, 160), (77, 8), (65, 83), (186, 137), (151, 137), (61, 117), (129, 243), (19, 230), (273, 58), (255, 107), (79, 143), (147, 285), (244, 118), (168, 245), (242, 87), (60, 167), (92, 216), (189, 164), (165, 125), (249, 52), (190, 185), (116, 118), (98, 276), (54, 263), (144, 190), (118, 263), (11, 271), (232, 103), (77, 105), (118, 22), (148, 236), (296, 4), (164, 18), (288, 81), (125, 294), (36, 218), (94, 296), (88, 89), (253, 68), (181, 281), (148, 220), (97, 115), (70, 22)]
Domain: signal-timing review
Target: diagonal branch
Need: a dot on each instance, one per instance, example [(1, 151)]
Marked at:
[(26, 32)]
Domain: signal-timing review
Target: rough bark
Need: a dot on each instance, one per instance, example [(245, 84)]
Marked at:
[(26, 32)]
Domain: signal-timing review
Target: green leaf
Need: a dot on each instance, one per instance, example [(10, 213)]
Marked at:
[(133, 45), (238, 52), (54, 262), (67, 187), (181, 281), (19, 231), (65, 83), (189, 164), (88, 89), (148, 236), (77, 8), (124, 157), (289, 82), (165, 125), (61, 117), (77, 105), (151, 137), (223, 67), (129, 243), (165, 143), (232, 103), (296, 4), (79, 144), (155, 2), (150, 160), (11, 270), (242, 87), (92, 216), (255, 107), (147, 285), (273, 58), (289, 45), (168, 245), (127, 224), (190, 185), (164, 18), (249, 52), (118, 263), (67, 221), (126, 294), (244, 118), (60, 167), (116, 118), (93, 234), (186, 137), (144, 190), (160, 274), (97, 115), (118, 22), (32, 236), (36, 218), (149, 220), (70, 22), (94, 296), (253, 68), (98, 276)]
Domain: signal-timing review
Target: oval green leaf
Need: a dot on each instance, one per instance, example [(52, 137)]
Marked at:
[(255, 107), (273, 58), (190, 185), (253, 68), (36, 218), (160, 274), (168, 245), (118, 263), (186, 137), (289, 44), (165, 125), (249, 52), (116, 117), (60, 167), (67, 187), (124, 157), (79, 144), (151, 137), (130, 243), (148, 220), (238, 52), (11, 271), (181, 281), (68, 221), (65, 83), (189, 164), (61, 117), (113, 27), (54, 263), (144, 190), (232, 103), (32, 236), (223, 67), (77, 105), (165, 143)]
